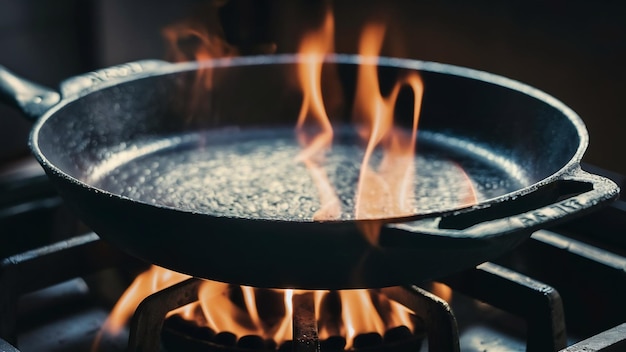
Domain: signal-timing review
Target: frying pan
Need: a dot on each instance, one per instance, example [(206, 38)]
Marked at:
[(181, 165)]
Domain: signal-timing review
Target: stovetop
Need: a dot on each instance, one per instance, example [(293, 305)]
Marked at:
[(561, 290)]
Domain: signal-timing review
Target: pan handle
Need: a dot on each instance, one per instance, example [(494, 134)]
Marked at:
[(34, 99), (31, 98), (573, 194)]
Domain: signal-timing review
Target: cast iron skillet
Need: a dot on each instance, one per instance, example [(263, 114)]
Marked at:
[(124, 144)]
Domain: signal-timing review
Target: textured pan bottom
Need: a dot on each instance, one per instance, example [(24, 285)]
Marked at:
[(254, 174)]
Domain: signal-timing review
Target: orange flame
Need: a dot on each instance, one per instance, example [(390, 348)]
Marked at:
[(443, 291), (153, 280), (198, 39), (145, 284), (313, 116), (357, 309), (355, 312), (285, 330), (469, 196), (387, 192), (192, 40)]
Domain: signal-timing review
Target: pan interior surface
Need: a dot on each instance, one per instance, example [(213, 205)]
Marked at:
[(254, 173)]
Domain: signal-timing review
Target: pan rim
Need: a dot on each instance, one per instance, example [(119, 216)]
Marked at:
[(172, 68)]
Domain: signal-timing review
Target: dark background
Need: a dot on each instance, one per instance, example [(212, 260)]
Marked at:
[(574, 50)]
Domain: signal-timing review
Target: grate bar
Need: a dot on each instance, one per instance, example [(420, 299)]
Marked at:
[(539, 304), (45, 266), (147, 323), (612, 340), (441, 327), (304, 323)]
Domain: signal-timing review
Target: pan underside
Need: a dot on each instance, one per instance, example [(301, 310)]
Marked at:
[(254, 173)]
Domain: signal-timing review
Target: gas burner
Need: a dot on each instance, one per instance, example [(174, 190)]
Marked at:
[(305, 330)]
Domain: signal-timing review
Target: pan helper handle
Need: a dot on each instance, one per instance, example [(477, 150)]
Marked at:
[(31, 98), (494, 229), (572, 194)]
